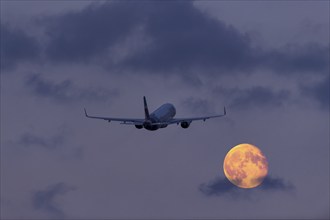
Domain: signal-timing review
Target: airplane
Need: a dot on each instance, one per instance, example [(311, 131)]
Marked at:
[(160, 118)]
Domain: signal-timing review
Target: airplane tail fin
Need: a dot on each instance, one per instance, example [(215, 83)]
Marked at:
[(146, 111)]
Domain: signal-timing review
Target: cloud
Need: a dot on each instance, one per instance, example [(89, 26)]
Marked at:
[(57, 145), (45, 200), (31, 140), (318, 91), (79, 36), (140, 38), (271, 183), (66, 91), (256, 96), (223, 187), (16, 46), (190, 39), (187, 41), (198, 106), (296, 59)]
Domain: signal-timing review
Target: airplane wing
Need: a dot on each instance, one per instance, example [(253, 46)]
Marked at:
[(128, 121), (189, 120)]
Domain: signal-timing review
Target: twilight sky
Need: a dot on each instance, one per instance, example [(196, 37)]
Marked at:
[(267, 62)]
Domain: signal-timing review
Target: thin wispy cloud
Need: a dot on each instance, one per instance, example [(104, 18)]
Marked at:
[(46, 199), (257, 96), (31, 140), (66, 91), (198, 106), (58, 144)]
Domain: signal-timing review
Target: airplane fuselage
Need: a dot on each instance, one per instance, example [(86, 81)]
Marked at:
[(164, 113), (160, 118)]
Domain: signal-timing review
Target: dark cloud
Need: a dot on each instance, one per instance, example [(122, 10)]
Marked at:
[(295, 59), (186, 41), (318, 91), (223, 187), (45, 200), (271, 183), (82, 35), (66, 91), (144, 38), (257, 96), (188, 38), (16, 46)]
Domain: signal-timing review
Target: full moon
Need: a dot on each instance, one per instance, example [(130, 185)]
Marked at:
[(245, 166)]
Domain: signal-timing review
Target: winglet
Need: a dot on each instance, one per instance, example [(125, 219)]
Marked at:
[(86, 113), (146, 110), (224, 110)]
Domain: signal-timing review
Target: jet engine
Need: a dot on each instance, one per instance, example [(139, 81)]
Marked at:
[(185, 124), (139, 126)]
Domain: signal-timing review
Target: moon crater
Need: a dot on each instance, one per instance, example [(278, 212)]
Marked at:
[(245, 166)]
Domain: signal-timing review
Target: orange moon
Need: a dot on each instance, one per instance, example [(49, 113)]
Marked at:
[(245, 166)]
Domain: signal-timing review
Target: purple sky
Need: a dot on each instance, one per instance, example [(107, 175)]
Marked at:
[(267, 62)]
